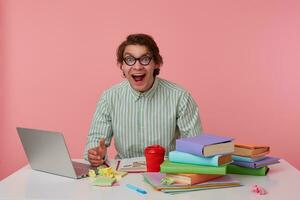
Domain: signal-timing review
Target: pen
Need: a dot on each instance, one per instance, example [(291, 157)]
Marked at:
[(106, 164), (139, 190), (118, 164)]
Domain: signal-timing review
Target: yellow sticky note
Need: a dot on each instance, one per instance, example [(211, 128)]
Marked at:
[(103, 181)]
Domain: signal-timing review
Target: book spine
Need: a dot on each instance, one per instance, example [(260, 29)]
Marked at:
[(257, 164), (234, 169), (241, 158), (177, 168), (174, 170), (182, 157), (266, 161), (189, 147), (245, 164)]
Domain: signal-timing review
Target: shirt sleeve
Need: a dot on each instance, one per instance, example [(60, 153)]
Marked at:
[(188, 120), (101, 126)]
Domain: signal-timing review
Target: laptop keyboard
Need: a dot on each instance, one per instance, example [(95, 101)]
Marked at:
[(80, 168)]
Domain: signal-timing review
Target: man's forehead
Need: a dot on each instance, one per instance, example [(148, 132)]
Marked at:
[(136, 50)]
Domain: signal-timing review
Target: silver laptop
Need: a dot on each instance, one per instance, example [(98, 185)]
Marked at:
[(46, 151)]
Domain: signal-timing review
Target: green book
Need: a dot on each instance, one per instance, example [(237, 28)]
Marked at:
[(184, 168), (234, 169)]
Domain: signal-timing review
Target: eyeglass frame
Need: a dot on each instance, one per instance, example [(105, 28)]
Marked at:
[(139, 59)]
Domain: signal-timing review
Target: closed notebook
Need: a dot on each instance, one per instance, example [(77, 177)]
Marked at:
[(234, 169), (251, 150), (182, 157), (205, 145), (191, 179), (154, 179), (183, 168), (257, 164)]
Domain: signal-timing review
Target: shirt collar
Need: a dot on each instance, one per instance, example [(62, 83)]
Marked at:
[(148, 94)]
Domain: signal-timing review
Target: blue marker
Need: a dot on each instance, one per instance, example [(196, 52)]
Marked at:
[(139, 190)]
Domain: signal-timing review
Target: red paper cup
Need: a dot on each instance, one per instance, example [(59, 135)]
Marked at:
[(155, 155)]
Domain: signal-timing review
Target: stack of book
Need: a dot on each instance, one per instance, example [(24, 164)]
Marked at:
[(199, 162), (155, 179), (251, 160)]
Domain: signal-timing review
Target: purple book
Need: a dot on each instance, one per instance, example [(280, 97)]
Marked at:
[(257, 164), (205, 145)]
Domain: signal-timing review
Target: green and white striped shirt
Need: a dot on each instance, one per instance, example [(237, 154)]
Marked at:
[(136, 120)]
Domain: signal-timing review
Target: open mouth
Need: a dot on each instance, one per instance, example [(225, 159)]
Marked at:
[(138, 77)]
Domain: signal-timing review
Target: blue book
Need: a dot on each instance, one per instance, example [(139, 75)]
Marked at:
[(205, 145), (182, 157), (257, 164), (247, 159)]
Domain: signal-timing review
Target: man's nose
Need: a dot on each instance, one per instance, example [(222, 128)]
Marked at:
[(137, 65)]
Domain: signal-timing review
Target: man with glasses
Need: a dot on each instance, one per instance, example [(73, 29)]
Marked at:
[(142, 110)]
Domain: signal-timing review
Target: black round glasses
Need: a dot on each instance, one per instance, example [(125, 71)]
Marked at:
[(143, 60)]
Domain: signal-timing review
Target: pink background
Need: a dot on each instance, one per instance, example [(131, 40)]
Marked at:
[(239, 59)]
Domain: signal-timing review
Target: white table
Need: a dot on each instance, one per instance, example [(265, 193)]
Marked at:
[(282, 182)]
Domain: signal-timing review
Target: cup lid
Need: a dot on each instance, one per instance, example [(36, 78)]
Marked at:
[(155, 149)]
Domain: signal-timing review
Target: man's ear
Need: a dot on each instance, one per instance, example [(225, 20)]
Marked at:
[(121, 68)]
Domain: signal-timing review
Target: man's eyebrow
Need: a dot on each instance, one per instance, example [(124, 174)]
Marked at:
[(145, 54), (127, 54)]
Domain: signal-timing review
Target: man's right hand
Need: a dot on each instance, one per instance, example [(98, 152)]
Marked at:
[(96, 154)]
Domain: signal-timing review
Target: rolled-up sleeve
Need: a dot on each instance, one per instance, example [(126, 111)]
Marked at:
[(188, 120), (101, 126)]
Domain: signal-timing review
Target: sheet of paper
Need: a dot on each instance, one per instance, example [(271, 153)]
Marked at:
[(137, 164)]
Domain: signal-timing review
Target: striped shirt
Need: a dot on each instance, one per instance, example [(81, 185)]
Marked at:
[(136, 120)]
